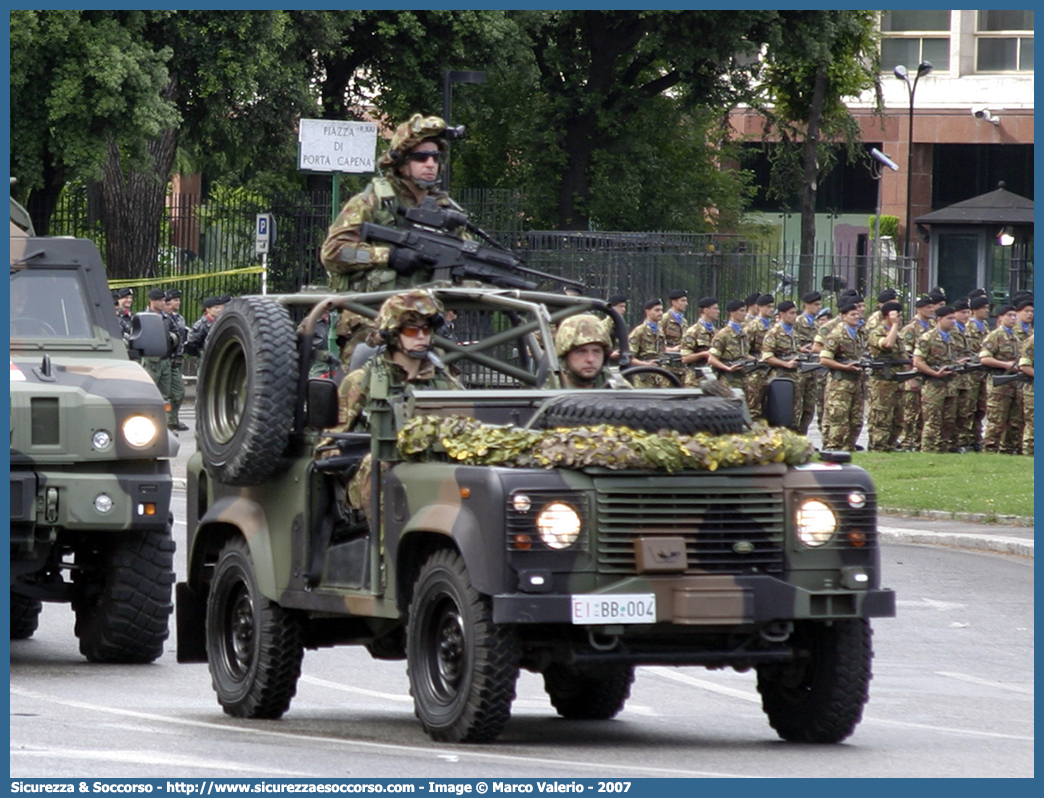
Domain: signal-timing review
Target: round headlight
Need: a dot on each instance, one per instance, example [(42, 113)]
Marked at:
[(139, 431), (520, 503), (816, 523), (101, 439), (857, 500), (103, 503), (559, 525)]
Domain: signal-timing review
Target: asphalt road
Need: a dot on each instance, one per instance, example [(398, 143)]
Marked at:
[(952, 696)]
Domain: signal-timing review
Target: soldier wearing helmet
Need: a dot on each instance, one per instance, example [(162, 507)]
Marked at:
[(582, 344), (406, 362), (410, 171)]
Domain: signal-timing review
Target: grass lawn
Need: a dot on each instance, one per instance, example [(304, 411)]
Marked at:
[(994, 484)]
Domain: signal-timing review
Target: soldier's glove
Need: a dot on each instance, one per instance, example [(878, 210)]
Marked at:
[(176, 362), (407, 261)]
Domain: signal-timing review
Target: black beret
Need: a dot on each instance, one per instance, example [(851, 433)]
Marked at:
[(887, 295), (751, 299), (856, 297), (961, 304), (1020, 295), (848, 307), (1004, 309), (210, 301), (652, 303), (945, 310), (811, 296), (157, 293), (923, 301), (125, 292), (976, 292), (977, 302), (847, 293), (677, 293), (888, 307), (707, 302), (766, 299), (734, 305), (224, 299), (784, 306), (616, 299), (1024, 303), (937, 296), (173, 293)]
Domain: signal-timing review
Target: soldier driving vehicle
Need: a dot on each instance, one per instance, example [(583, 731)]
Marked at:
[(573, 533), (90, 456)]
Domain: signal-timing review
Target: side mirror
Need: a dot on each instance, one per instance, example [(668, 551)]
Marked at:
[(148, 336), (322, 404), (779, 403)]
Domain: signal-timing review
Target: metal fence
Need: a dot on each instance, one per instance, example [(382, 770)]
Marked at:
[(207, 248)]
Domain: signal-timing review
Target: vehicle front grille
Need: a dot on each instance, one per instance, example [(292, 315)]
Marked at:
[(727, 529)]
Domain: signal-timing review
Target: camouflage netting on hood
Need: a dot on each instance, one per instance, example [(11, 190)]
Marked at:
[(473, 443)]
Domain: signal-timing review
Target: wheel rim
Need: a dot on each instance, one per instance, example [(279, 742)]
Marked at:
[(227, 400), (446, 647), (238, 635)]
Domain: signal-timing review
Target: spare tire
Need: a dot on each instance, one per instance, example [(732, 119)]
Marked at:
[(687, 415), (247, 391)]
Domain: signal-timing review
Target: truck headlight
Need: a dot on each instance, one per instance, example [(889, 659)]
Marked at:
[(558, 525), (816, 522), (139, 431)]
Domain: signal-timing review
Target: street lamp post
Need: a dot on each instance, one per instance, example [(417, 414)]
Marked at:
[(900, 72), (449, 77)]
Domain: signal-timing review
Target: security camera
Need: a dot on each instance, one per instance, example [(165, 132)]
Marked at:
[(880, 157), (982, 112)]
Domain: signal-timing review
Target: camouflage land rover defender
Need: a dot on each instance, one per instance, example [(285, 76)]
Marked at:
[(90, 469), (515, 524)]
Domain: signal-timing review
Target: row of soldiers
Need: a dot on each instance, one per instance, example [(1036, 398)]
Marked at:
[(928, 384), (166, 371)]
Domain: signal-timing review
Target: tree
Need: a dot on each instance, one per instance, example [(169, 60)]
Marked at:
[(815, 59)]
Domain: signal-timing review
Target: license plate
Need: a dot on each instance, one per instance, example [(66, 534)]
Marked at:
[(614, 608)]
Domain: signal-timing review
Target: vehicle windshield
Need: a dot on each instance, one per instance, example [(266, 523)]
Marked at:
[(49, 304)]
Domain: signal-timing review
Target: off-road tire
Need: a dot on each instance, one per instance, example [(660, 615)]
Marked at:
[(254, 646), (819, 697), (123, 600), (596, 693), (247, 391), (25, 616), (462, 666), (686, 415)]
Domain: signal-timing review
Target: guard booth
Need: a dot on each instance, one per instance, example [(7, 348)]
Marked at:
[(984, 242)]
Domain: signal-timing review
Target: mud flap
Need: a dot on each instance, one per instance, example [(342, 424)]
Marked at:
[(191, 609)]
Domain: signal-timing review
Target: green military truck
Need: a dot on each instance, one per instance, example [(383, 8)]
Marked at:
[(90, 455), (515, 524)]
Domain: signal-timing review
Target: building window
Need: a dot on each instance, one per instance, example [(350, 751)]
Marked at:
[(910, 37), (1004, 41)]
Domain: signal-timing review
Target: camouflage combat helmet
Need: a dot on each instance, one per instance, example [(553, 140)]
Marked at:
[(411, 133), (402, 308), (580, 330)]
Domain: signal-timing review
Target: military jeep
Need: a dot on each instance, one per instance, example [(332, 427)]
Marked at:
[(515, 524), (90, 455)]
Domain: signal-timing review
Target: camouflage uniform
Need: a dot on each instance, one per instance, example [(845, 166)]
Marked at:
[(1026, 359), (360, 267), (756, 380), (911, 410), (823, 375), (730, 344), (843, 403), (696, 339), (779, 343), (884, 416), (938, 395), (805, 330), (647, 344), (1003, 403), (579, 331), (673, 332), (971, 416)]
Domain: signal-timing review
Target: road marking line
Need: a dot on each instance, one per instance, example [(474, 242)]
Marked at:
[(692, 681), (352, 689), (139, 757), (964, 677)]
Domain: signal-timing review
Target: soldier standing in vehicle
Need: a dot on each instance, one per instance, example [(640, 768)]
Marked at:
[(647, 343), (729, 345), (935, 352), (410, 173), (583, 345), (843, 403), (177, 384), (696, 342), (405, 325)]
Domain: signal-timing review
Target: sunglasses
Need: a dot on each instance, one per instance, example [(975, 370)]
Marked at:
[(414, 332), (424, 155)]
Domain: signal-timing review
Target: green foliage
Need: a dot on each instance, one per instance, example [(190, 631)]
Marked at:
[(889, 225)]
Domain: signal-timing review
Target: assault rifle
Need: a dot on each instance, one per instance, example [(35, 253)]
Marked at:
[(1017, 376), (807, 361), (750, 365), (962, 368), (430, 244), (886, 367), (674, 360)]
